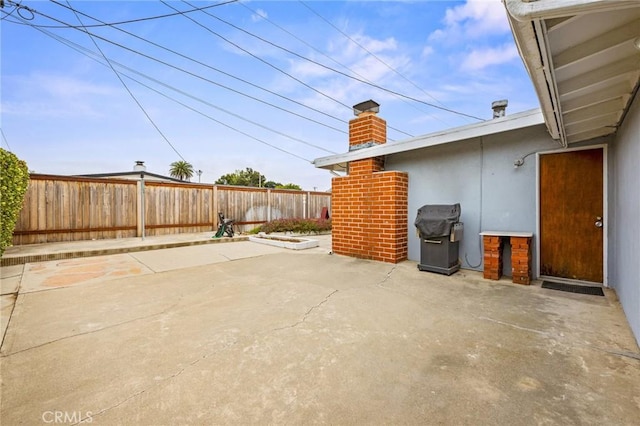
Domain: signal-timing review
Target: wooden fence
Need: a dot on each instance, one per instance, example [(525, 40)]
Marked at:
[(69, 208)]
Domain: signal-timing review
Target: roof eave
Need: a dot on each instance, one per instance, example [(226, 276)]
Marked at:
[(527, 43), (498, 125), (529, 10), (527, 21)]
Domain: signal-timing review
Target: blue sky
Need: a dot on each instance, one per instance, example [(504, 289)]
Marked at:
[(64, 112)]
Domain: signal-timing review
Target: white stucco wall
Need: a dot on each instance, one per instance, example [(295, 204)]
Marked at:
[(479, 174), (624, 258)]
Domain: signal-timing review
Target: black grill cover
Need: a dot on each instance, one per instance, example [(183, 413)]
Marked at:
[(436, 220)]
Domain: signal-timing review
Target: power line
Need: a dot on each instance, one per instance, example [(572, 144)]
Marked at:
[(88, 52), (335, 61), (277, 46), (186, 71), (128, 90), (288, 51), (204, 65), (131, 21), (15, 8), (217, 70), (92, 55), (364, 81), (368, 51), (257, 57), (4, 138)]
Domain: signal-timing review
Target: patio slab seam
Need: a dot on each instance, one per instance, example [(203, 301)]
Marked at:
[(31, 258)]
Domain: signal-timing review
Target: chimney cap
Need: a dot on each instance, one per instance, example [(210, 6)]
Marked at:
[(499, 108), (499, 104), (366, 106), (139, 166)]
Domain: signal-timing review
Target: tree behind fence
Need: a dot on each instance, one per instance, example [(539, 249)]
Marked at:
[(69, 208)]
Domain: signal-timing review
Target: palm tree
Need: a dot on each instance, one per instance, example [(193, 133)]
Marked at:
[(181, 170)]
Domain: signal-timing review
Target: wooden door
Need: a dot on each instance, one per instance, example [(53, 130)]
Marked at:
[(571, 215)]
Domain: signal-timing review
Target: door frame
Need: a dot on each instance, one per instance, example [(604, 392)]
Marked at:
[(605, 215)]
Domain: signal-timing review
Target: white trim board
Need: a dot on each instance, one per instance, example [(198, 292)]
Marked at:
[(457, 134)]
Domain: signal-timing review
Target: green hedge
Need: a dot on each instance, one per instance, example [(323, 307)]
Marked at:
[(14, 180), (297, 226)]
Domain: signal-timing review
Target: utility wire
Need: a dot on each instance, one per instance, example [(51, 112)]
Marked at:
[(4, 138), (257, 57), (275, 45), (8, 14), (92, 55), (128, 90), (335, 61), (369, 52), (291, 52), (184, 70), (361, 80), (131, 21), (228, 126), (217, 70), (204, 65), (364, 81)]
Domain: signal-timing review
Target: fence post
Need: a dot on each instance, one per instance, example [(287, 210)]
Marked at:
[(139, 209), (268, 205), (214, 206)]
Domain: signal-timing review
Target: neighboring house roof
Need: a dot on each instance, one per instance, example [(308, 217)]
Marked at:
[(134, 175), (583, 57), (520, 120)]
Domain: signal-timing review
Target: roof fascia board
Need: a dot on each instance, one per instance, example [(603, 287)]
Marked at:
[(527, 44), (550, 77), (529, 10), (498, 125)]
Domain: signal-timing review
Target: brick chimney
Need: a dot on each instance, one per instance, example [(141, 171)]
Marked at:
[(366, 130), (369, 206)]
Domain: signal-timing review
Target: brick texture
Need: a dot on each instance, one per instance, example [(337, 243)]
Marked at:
[(369, 207), (367, 127), (369, 216), (492, 257), (520, 258)]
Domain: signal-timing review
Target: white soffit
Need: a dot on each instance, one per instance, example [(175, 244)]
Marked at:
[(497, 125), (583, 57)]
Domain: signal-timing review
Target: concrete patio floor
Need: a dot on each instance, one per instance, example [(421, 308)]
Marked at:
[(244, 333)]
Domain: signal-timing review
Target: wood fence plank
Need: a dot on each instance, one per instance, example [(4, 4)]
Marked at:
[(61, 208)]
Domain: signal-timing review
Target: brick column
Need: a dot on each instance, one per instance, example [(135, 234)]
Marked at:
[(492, 257), (370, 205), (521, 260)]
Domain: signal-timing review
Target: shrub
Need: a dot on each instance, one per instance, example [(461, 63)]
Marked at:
[(14, 180), (298, 226)]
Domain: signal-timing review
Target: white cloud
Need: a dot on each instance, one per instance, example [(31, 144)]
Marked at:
[(428, 50), (304, 69), (259, 15), (56, 95), (473, 19), (348, 53), (482, 58), (375, 46), (64, 86)]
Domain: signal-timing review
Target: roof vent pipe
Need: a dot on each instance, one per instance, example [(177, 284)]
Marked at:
[(139, 167), (499, 108)]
